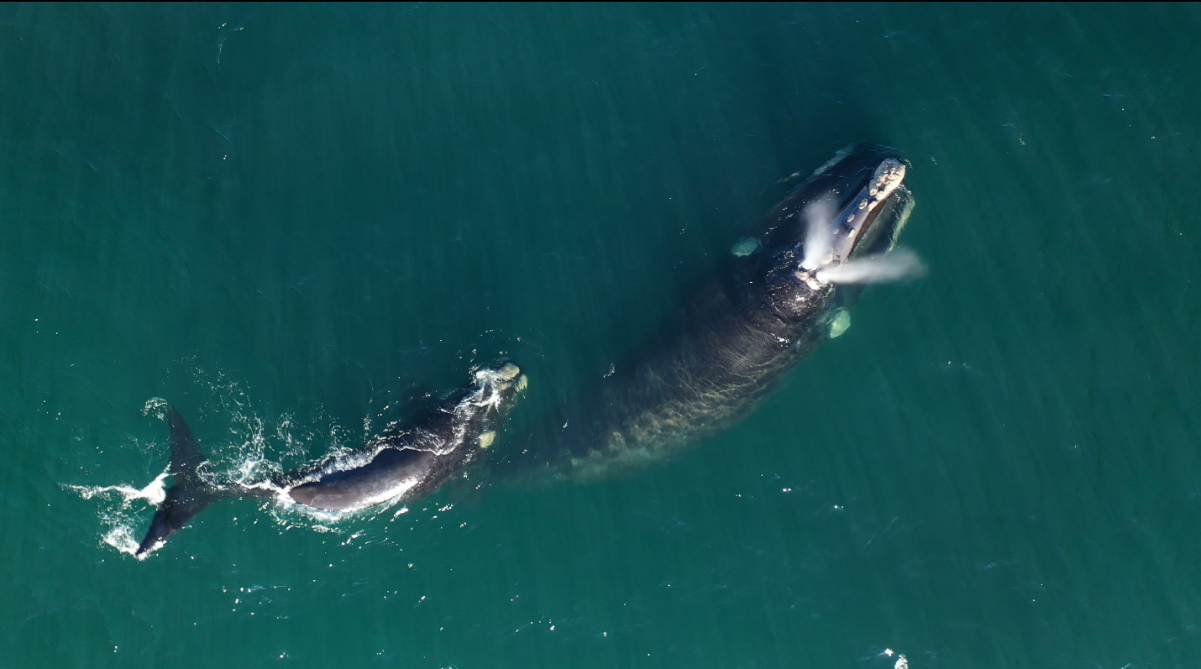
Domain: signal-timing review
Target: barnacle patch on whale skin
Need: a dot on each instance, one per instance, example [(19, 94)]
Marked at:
[(888, 175), (840, 322), (745, 246)]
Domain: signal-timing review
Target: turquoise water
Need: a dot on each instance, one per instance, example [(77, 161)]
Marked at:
[(281, 217)]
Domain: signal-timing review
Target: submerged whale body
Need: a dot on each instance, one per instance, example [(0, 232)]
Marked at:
[(410, 463), (781, 292)]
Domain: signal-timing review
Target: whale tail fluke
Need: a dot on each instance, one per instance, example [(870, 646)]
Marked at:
[(190, 495)]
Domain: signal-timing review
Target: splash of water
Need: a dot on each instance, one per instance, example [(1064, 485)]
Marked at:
[(896, 265), (154, 493), (819, 233), (119, 515)]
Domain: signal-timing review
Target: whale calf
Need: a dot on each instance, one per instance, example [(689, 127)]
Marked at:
[(780, 293), (409, 463)]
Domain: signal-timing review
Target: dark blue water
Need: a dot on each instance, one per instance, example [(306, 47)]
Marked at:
[(281, 217)]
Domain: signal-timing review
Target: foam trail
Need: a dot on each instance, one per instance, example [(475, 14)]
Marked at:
[(154, 493), (892, 266), (819, 234)]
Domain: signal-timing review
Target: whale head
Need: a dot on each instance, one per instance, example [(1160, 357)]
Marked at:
[(839, 226), (498, 387), (851, 207)]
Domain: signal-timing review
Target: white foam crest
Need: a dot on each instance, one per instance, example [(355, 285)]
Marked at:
[(121, 538), (157, 405), (819, 233), (154, 493), (895, 265)]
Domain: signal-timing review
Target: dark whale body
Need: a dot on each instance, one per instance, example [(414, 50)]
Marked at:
[(409, 463), (722, 352)]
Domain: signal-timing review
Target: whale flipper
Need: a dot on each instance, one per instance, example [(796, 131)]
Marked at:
[(189, 496)]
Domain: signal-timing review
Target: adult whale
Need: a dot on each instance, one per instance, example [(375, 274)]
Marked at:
[(409, 463), (781, 292)]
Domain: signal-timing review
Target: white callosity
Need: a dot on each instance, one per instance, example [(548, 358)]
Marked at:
[(491, 383), (888, 176)]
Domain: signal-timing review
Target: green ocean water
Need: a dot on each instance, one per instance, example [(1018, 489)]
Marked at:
[(280, 218)]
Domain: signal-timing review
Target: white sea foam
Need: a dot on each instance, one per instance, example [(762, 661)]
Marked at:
[(120, 510), (154, 493), (121, 537)]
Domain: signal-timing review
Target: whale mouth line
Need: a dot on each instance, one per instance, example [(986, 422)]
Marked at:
[(854, 243)]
